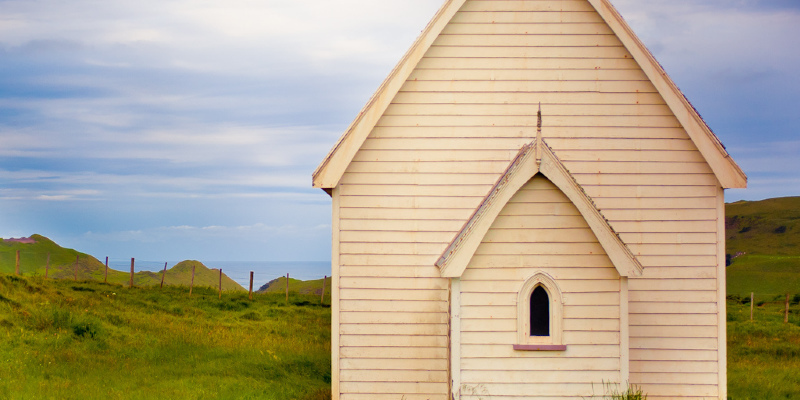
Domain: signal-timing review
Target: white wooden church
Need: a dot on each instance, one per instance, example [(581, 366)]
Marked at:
[(528, 208)]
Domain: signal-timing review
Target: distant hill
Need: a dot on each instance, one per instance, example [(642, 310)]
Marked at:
[(770, 226), (34, 252), (763, 244), (297, 286)]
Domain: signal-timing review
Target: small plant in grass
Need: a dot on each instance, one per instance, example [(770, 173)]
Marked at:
[(631, 392)]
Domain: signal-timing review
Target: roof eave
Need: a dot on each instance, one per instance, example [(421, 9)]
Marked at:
[(728, 173), (331, 169)]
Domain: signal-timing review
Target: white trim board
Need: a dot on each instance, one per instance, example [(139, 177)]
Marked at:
[(533, 158)]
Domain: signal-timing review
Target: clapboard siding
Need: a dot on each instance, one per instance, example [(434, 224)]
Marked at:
[(439, 147), (489, 287)]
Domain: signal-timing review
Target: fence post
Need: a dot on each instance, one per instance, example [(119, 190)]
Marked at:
[(16, 269), (322, 298), (47, 267), (250, 296), (751, 306), (105, 280), (163, 274), (220, 283), (130, 285), (287, 287), (786, 314), (191, 286), (75, 277)]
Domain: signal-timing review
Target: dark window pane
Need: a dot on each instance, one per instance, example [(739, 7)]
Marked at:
[(540, 312)]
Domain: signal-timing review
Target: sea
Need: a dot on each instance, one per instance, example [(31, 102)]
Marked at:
[(239, 271)]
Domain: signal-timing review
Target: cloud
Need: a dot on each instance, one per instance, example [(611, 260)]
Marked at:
[(174, 113)]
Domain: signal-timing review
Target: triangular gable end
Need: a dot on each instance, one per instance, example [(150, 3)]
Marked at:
[(533, 159), (331, 169)]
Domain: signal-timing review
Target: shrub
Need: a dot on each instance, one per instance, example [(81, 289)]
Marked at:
[(88, 327)]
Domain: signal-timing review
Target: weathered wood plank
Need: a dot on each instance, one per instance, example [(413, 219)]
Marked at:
[(545, 362), (531, 29), (392, 305), (398, 375), (549, 98), (396, 329), (514, 377), (500, 351), (394, 387), (397, 294), (433, 364), (404, 341), (525, 17), (393, 318), (673, 366), (522, 40), (672, 355), (413, 353), (527, 6), (633, 110), (604, 86), (674, 331)]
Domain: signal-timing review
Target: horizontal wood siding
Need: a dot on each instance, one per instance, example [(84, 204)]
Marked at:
[(440, 146), (489, 287)]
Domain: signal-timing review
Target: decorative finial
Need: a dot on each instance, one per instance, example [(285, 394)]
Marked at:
[(539, 135)]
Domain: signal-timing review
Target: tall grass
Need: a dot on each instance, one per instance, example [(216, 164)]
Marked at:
[(78, 340), (763, 354)]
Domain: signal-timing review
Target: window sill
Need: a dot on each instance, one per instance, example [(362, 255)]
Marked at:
[(540, 347)]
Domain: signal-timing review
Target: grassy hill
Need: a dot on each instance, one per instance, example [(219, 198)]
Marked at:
[(763, 237), (33, 261), (769, 226), (90, 340), (297, 286)]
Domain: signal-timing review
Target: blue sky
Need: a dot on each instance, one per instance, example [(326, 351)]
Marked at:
[(177, 129)]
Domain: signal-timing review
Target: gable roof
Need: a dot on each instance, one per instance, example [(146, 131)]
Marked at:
[(532, 159), (331, 169)]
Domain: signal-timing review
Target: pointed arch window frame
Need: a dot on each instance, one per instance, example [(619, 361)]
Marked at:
[(532, 159), (553, 341)]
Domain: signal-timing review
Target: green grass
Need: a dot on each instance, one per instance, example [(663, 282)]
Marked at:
[(297, 286), (764, 275), (78, 340), (763, 355)]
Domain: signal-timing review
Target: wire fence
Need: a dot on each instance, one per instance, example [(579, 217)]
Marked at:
[(790, 303), (85, 269)]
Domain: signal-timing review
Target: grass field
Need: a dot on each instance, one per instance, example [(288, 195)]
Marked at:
[(766, 275), (763, 355), (79, 340)]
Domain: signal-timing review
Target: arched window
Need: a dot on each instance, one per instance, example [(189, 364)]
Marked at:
[(539, 314)]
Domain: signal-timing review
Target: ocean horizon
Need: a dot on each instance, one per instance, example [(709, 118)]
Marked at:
[(239, 271)]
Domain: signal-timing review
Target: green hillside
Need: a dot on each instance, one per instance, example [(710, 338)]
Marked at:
[(297, 286), (763, 243), (90, 340), (770, 226), (33, 262), (33, 259)]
